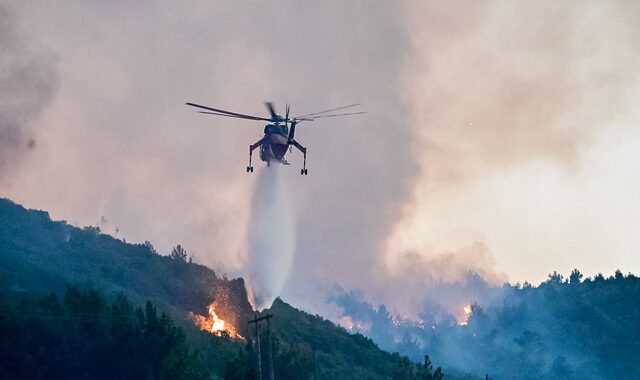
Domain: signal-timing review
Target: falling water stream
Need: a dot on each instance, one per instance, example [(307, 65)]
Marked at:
[(271, 236)]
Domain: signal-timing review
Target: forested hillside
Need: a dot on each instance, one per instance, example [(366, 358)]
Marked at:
[(84, 336), (76, 303), (42, 255), (574, 328)]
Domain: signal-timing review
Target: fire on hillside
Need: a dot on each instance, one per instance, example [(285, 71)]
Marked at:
[(463, 319), (214, 324)]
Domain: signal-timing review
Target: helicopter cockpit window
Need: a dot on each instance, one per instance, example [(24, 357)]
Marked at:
[(272, 128)]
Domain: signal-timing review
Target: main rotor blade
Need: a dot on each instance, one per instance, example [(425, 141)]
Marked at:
[(228, 113), (272, 110), (224, 114), (339, 114), (331, 110)]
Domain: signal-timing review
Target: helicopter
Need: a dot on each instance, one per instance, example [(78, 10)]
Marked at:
[(279, 134)]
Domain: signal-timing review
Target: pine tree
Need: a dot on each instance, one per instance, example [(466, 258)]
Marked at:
[(179, 254)]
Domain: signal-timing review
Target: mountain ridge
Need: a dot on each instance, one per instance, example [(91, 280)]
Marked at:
[(41, 255)]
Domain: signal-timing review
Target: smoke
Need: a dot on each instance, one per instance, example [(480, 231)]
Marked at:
[(449, 279), (271, 236), (133, 153), (28, 81), (513, 100), (481, 150), (508, 116)]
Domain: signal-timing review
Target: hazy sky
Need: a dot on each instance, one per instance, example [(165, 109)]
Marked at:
[(501, 136)]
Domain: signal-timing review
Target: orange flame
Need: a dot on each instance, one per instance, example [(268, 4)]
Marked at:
[(464, 319), (215, 325)]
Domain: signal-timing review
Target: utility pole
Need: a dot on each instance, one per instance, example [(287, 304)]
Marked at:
[(255, 321), (259, 359), (269, 351)]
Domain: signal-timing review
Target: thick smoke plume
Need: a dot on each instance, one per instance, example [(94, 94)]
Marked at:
[(28, 81), (271, 237), (482, 147), (513, 99)]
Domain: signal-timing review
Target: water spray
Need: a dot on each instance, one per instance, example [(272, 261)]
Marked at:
[(271, 237)]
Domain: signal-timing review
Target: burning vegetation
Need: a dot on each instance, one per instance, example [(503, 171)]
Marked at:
[(214, 324), (467, 310)]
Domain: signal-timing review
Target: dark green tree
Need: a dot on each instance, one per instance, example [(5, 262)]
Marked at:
[(179, 254), (426, 372), (575, 277)]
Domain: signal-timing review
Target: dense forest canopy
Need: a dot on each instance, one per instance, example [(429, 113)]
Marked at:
[(83, 336)]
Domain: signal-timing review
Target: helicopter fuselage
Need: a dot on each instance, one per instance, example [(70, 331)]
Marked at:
[(275, 143)]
